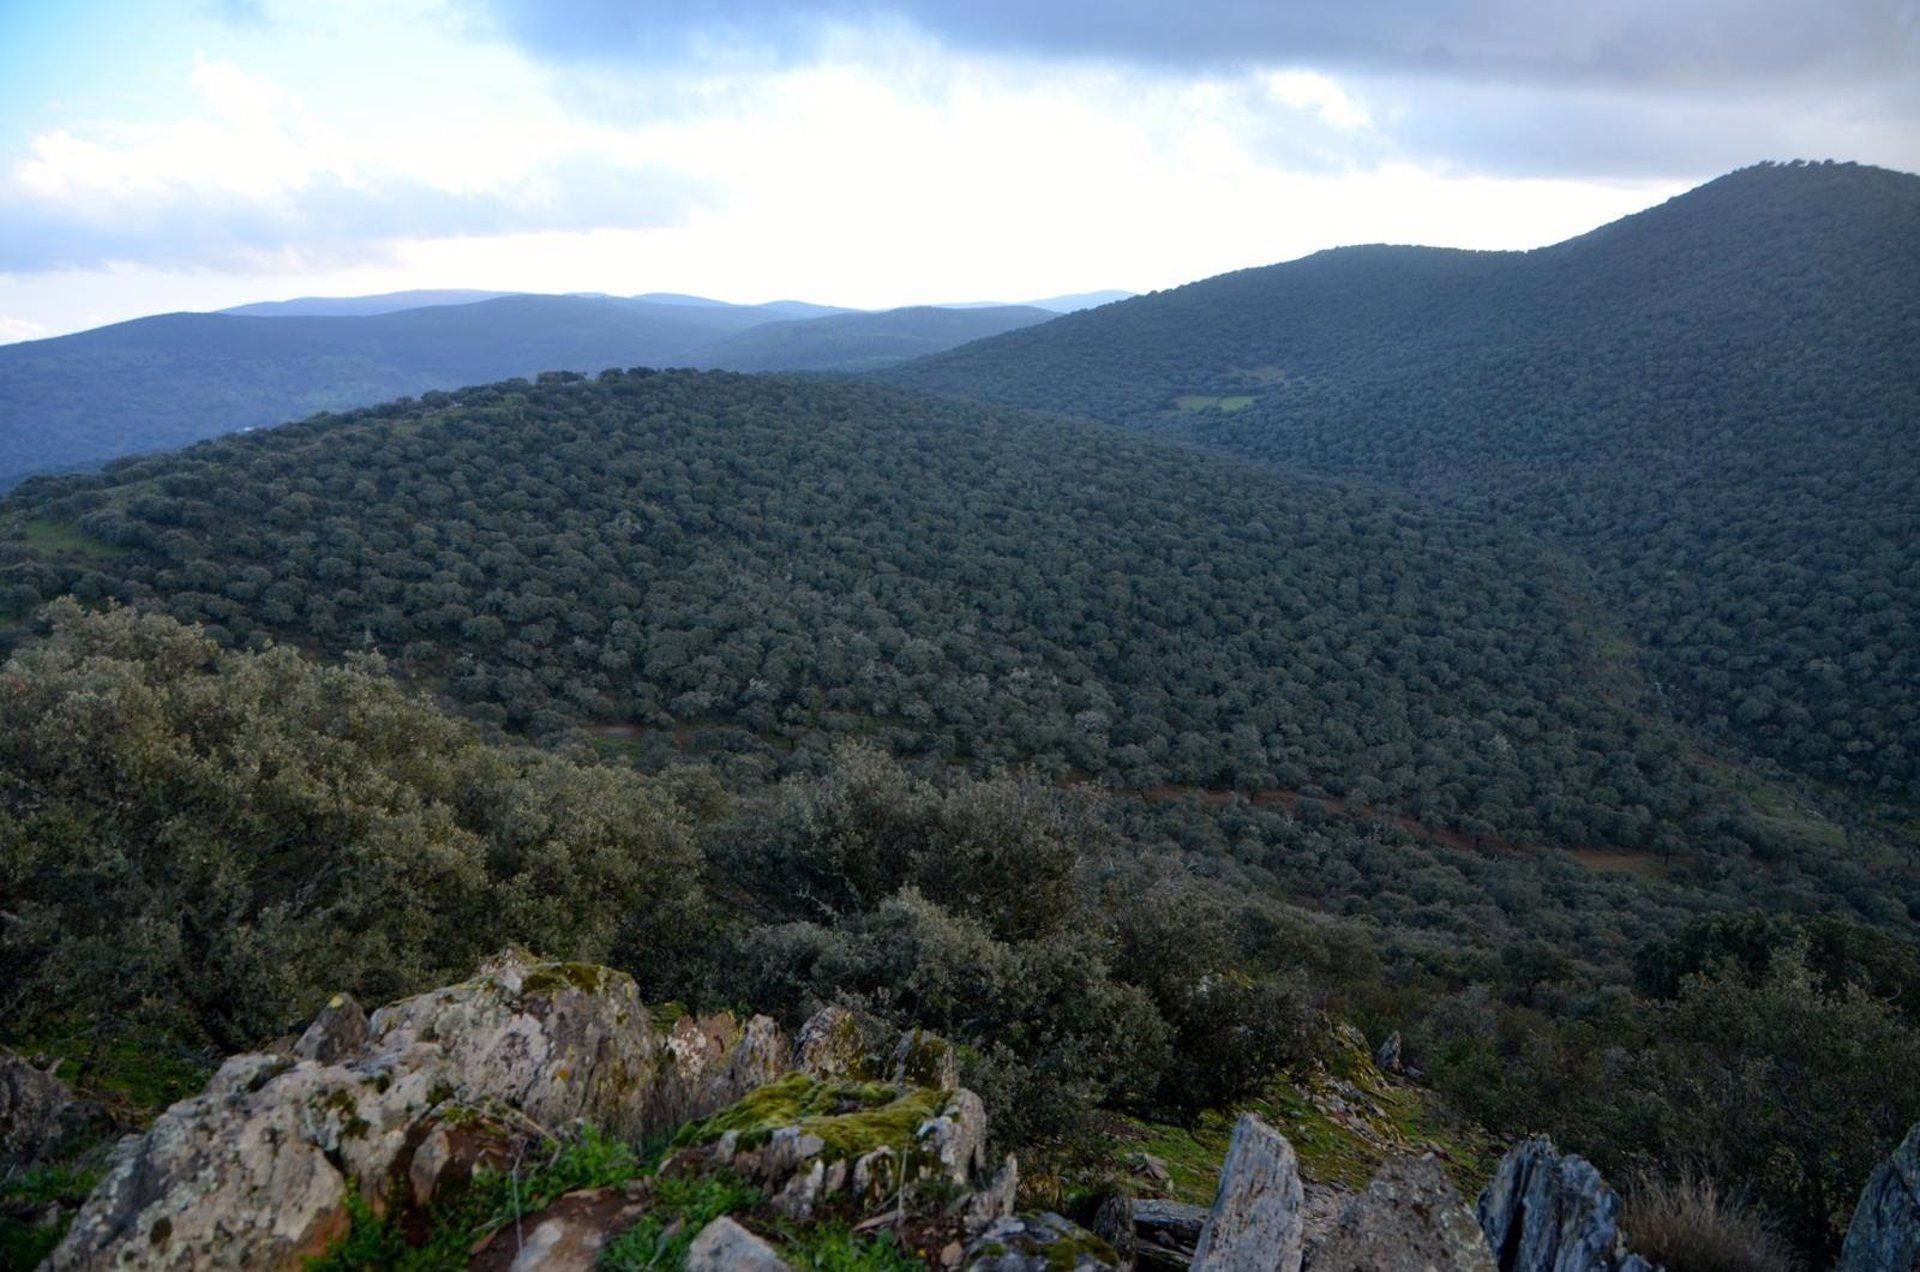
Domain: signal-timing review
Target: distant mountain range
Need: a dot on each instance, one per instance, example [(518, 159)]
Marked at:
[(160, 382)]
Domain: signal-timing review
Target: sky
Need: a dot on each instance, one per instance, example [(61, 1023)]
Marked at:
[(206, 153)]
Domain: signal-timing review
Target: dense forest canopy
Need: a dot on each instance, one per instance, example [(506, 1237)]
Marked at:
[(752, 565), (1712, 404)]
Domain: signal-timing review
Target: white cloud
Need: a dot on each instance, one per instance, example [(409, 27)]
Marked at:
[(887, 170), (12, 329), (1309, 90)]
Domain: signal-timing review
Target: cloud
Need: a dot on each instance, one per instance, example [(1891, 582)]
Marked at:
[(1671, 43), (1627, 89), (253, 178)]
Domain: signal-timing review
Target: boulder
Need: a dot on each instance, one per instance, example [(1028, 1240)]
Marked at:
[(1388, 1056), (1256, 1224), (1410, 1219), (923, 1059), (1885, 1233), (567, 1236), (1545, 1212), (256, 1171), (340, 1030), (831, 1046), (39, 1114), (711, 1062), (1038, 1243), (725, 1246), (1149, 1234), (862, 1145)]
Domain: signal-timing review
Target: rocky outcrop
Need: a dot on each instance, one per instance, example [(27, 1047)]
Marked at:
[(1885, 1233), (725, 1246), (257, 1170), (1256, 1224), (1545, 1212), (1038, 1243), (40, 1117), (864, 1146), (1410, 1219)]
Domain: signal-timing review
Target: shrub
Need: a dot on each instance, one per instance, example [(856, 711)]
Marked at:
[(1689, 1225)]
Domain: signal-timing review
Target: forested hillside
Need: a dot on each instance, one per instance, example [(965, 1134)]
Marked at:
[(1713, 404), (751, 565)]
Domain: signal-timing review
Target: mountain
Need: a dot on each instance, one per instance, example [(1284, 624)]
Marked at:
[(863, 342), (770, 309), (1080, 300), (165, 381), (361, 306), (1711, 404)]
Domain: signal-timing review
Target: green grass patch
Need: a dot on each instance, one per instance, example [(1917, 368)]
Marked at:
[(1385, 1120), (60, 539), (145, 1072), (834, 1248), (682, 1206), (24, 1240)]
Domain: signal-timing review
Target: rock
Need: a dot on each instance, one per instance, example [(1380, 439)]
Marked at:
[(1256, 1223), (567, 1236), (1410, 1219), (1388, 1056), (560, 1042), (1038, 1243), (256, 1171), (1166, 1233), (923, 1059), (866, 1144), (996, 1200), (1547, 1213), (1885, 1232), (1150, 1234), (1153, 1170), (339, 1030), (831, 1047), (39, 1114), (1113, 1224), (725, 1246), (712, 1062)]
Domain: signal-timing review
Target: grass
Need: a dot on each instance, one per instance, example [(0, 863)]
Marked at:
[(1383, 1119), (24, 1240), (1689, 1225), (1202, 402), (58, 538), (144, 1072), (835, 1248), (682, 1206)]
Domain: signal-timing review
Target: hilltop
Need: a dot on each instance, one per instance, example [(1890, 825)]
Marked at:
[(1711, 403)]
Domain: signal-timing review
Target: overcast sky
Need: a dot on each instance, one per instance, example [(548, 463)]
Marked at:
[(200, 154)]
